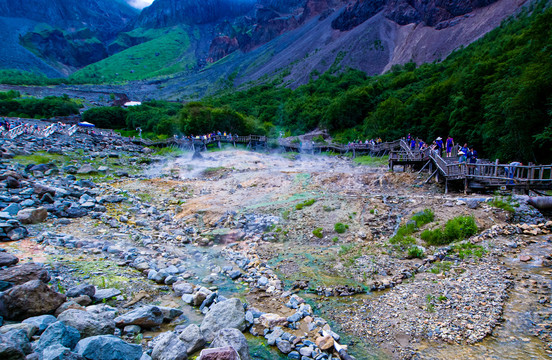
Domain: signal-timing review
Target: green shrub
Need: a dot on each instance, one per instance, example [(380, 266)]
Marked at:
[(468, 249), (415, 252), (459, 228), (340, 228), (500, 203), (434, 237), (424, 217), (335, 239), (300, 206), (318, 232)]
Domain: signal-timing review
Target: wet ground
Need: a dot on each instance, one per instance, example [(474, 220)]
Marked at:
[(305, 197)]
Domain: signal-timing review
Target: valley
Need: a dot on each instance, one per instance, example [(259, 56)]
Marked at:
[(308, 243)]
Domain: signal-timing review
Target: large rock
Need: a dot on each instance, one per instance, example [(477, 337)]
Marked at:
[(41, 322), (105, 294), (107, 347), (86, 169), (84, 289), (233, 338), (169, 347), (58, 334), (192, 337), (32, 216), (30, 299), (8, 259), (41, 190), (145, 317), (225, 353), (21, 274), (14, 345), (58, 352), (87, 323), (226, 314)]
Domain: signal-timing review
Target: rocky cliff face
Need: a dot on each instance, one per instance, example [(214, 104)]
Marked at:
[(105, 17), (430, 12), (164, 13)]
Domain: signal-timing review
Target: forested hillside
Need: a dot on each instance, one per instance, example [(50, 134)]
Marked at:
[(495, 94)]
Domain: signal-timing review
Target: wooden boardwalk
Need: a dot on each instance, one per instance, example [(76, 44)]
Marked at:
[(479, 176)]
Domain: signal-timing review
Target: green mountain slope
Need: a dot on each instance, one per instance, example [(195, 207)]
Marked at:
[(495, 94), (166, 54)]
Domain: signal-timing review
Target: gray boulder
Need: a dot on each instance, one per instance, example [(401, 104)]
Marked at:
[(145, 317), (169, 347), (192, 337), (108, 347), (222, 315), (14, 345), (33, 298), (225, 353), (8, 259), (29, 329), (84, 289), (105, 294), (86, 169), (20, 274), (58, 352), (233, 338), (180, 288), (58, 334), (32, 216), (87, 323), (41, 322)]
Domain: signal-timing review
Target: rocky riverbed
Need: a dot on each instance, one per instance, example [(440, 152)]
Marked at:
[(107, 245)]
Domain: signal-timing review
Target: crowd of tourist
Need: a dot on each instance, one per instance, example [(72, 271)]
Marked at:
[(465, 154)]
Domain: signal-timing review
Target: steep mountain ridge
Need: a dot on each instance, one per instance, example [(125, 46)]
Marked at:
[(228, 42), (56, 37)]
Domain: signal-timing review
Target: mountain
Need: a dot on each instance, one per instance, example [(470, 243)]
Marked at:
[(56, 37), (197, 47)]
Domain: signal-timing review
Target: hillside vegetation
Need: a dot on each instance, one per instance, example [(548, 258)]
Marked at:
[(495, 94), (167, 54)]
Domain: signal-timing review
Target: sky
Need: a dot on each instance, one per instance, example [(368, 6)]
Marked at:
[(139, 4)]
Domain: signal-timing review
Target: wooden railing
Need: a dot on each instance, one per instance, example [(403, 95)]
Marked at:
[(47, 131), (72, 130), (15, 132)]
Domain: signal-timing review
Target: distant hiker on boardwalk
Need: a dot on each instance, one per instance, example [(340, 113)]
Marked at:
[(450, 145), (439, 142)]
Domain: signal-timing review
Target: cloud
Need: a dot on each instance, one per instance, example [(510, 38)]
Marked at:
[(139, 4)]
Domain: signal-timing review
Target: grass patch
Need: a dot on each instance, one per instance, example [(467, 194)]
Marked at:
[(415, 252), (167, 54), (502, 203), (371, 160), (345, 249), (318, 232), (340, 228), (459, 228), (305, 203), (440, 267), (467, 249), (215, 171)]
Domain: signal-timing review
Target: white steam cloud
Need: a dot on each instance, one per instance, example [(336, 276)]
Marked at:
[(139, 4)]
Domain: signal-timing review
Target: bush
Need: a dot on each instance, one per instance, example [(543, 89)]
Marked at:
[(424, 217), (340, 228), (318, 232), (468, 249), (459, 228), (106, 117), (434, 237), (500, 203), (300, 206), (415, 252)]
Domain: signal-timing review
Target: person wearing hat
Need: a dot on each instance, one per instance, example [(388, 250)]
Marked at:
[(439, 142)]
